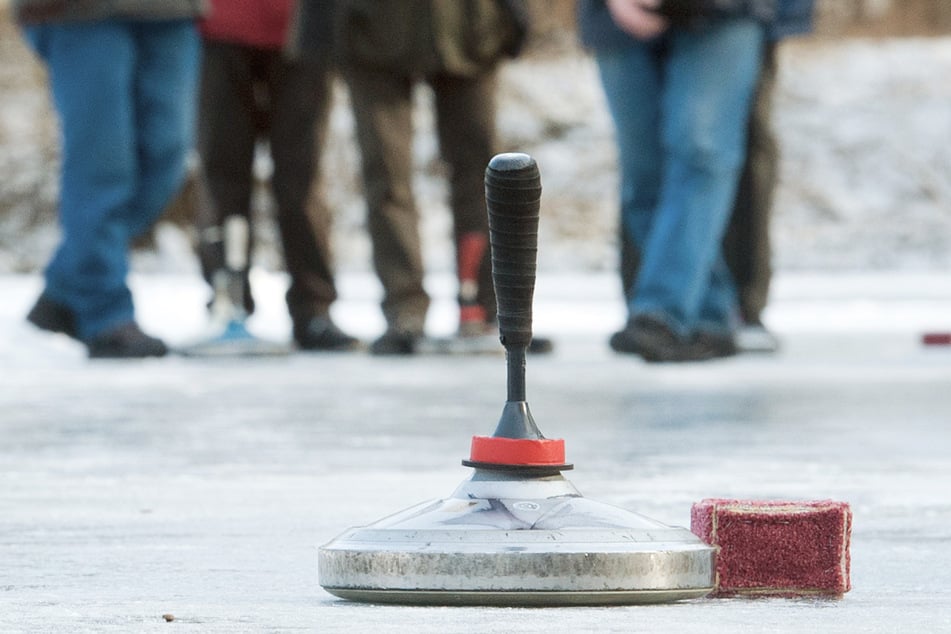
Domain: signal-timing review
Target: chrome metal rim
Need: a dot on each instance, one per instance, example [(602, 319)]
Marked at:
[(511, 541)]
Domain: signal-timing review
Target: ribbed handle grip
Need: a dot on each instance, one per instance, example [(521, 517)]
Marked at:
[(512, 195)]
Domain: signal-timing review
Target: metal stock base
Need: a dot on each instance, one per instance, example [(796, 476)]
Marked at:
[(505, 540)]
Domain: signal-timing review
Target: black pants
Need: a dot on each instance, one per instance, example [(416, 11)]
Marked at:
[(746, 245), (250, 94)]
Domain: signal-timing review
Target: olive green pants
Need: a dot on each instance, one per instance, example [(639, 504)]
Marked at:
[(465, 125)]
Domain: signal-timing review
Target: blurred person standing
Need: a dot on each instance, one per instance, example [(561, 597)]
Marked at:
[(252, 88), (386, 48), (679, 77), (747, 245), (123, 78)]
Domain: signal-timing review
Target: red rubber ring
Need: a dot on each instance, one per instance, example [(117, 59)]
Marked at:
[(517, 451)]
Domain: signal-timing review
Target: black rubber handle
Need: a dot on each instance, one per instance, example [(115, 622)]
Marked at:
[(513, 198)]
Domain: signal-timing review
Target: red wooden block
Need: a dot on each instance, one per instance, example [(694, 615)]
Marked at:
[(777, 548)]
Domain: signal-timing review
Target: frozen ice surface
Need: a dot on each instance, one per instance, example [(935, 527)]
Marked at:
[(202, 488)]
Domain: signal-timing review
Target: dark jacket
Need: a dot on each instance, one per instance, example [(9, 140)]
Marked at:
[(311, 31), (794, 17), (37, 11), (782, 18), (461, 37)]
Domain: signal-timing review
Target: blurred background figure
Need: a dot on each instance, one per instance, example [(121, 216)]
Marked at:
[(252, 90), (746, 245), (123, 78), (386, 48), (679, 77)]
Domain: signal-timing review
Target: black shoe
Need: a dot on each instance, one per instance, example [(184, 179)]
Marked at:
[(655, 341), (125, 342), (321, 333), (541, 345), (713, 345), (396, 342), (469, 329), (50, 315)]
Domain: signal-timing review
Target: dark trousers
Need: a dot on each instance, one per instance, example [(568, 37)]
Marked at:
[(465, 124), (746, 244), (249, 94)]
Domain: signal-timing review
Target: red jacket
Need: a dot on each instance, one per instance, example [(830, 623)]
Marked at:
[(257, 23)]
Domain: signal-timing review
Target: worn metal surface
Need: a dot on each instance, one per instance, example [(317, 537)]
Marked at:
[(504, 540)]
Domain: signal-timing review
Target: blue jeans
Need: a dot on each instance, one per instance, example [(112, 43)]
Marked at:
[(125, 95), (680, 106)]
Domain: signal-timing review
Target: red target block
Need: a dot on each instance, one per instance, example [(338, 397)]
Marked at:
[(777, 548)]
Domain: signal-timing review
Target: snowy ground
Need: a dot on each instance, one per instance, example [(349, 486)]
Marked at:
[(201, 489)]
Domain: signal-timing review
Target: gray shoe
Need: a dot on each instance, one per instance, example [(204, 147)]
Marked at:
[(754, 337)]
